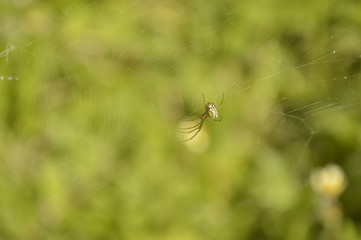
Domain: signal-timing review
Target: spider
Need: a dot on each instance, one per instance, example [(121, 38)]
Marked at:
[(211, 111)]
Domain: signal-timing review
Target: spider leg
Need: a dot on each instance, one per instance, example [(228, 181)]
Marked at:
[(195, 128), (185, 128), (222, 100), (189, 131), (199, 129)]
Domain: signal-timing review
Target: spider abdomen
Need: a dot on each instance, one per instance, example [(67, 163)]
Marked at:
[(212, 110)]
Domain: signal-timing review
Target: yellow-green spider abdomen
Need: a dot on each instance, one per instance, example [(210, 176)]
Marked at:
[(212, 110)]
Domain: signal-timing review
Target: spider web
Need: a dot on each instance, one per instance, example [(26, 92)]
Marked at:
[(93, 92)]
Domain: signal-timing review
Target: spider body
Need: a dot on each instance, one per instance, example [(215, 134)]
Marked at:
[(211, 111)]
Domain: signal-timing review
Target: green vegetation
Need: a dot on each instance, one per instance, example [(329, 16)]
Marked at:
[(92, 93)]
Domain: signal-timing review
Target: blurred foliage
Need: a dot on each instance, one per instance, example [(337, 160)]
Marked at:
[(93, 91)]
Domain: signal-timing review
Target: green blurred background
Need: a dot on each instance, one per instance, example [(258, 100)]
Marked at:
[(92, 93)]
